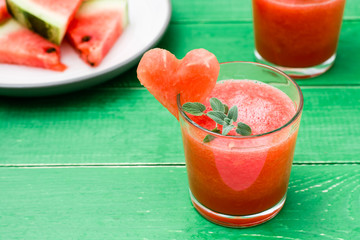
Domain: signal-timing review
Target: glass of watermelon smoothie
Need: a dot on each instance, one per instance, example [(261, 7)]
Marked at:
[(241, 181), (299, 37)]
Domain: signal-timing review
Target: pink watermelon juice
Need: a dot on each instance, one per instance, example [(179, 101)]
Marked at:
[(297, 33), (234, 179)]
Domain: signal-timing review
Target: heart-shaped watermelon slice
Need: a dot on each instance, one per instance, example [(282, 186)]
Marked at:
[(193, 77)]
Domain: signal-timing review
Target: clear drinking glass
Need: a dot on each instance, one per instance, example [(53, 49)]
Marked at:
[(241, 181), (299, 37)]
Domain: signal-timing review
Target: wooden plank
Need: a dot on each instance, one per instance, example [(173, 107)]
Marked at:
[(231, 10), (234, 42), (100, 126), (129, 126), (153, 203), (330, 125)]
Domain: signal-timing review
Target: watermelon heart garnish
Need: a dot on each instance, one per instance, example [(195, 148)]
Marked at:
[(193, 77)]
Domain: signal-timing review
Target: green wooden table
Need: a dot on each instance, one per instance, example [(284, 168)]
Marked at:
[(85, 165)]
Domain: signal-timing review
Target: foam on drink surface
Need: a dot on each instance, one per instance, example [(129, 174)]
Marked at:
[(263, 107)]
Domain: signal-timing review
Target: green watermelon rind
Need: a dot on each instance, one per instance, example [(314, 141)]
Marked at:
[(125, 20), (90, 6), (49, 29), (9, 26)]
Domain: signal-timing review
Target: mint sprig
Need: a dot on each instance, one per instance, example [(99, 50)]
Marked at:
[(227, 129), (243, 129), (209, 137), (222, 115), (233, 113), (194, 108), (217, 105), (217, 116)]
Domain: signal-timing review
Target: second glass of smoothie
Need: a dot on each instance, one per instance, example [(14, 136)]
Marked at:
[(241, 181), (299, 37)]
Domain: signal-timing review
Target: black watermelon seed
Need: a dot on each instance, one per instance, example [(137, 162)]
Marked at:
[(50, 50), (86, 38)]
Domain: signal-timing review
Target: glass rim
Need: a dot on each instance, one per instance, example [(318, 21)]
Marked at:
[(296, 115)]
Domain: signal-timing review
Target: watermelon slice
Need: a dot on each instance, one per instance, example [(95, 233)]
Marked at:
[(19, 45), (96, 27), (4, 14), (193, 77), (48, 18)]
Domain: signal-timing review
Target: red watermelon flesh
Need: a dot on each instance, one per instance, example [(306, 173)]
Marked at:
[(193, 77), (3, 11), (96, 27), (21, 46)]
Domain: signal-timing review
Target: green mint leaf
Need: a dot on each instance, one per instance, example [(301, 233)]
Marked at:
[(217, 105), (226, 108), (227, 129), (228, 121), (216, 130), (209, 138), (217, 116), (194, 108), (233, 113), (243, 129)]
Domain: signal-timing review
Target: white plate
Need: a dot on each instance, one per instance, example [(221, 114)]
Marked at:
[(148, 22)]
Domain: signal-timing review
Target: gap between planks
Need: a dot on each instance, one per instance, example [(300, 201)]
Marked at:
[(242, 21), (145, 165)]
